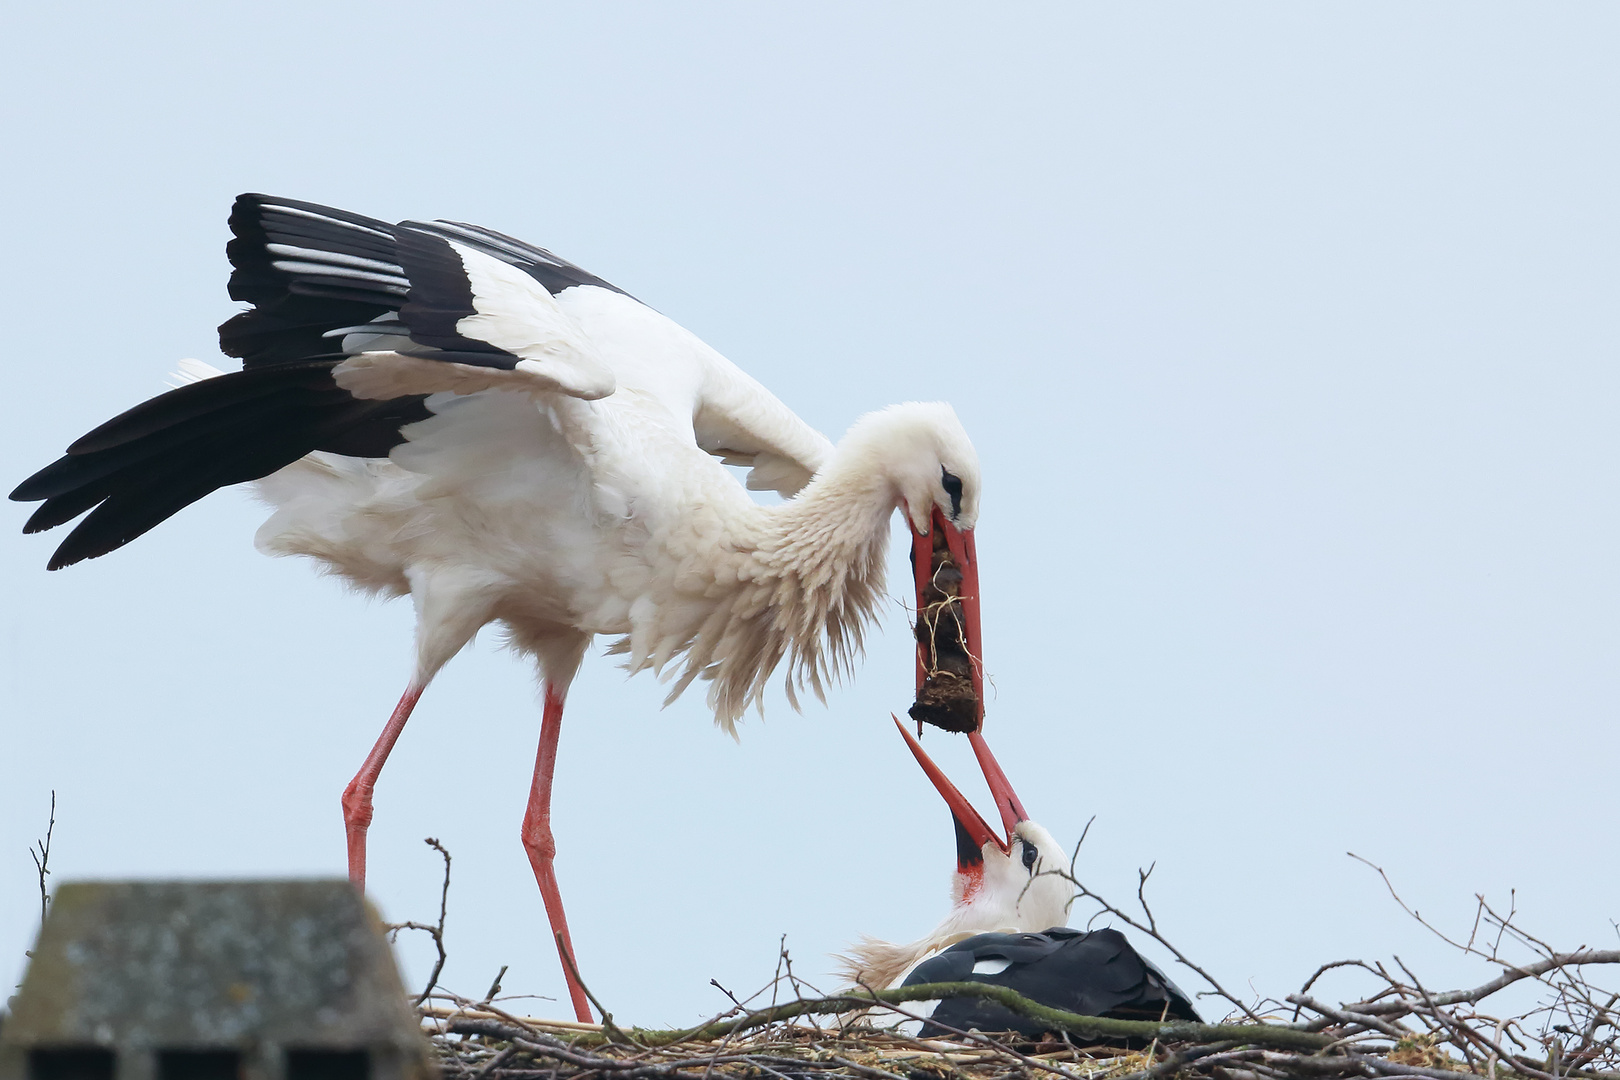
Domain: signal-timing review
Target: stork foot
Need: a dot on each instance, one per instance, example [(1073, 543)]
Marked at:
[(356, 820)]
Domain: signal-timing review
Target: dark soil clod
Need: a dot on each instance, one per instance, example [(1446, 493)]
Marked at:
[(946, 698)]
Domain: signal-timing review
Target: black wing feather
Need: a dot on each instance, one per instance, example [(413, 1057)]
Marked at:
[(1092, 974), (169, 452), (308, 270), (195, 401), (291, 311), (441, 296), (552, 272)]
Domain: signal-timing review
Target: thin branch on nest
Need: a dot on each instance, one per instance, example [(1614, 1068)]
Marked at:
[(1150, 928), (982, 1039), (1094, 1027), (435, 932), (608, 1027), (42, 861), (495, 985), (1452, 1018)]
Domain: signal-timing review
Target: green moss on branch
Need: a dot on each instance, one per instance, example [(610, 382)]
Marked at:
[(1086, 1027)]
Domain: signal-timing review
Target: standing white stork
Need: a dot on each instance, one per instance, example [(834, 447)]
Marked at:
[(439, 410)]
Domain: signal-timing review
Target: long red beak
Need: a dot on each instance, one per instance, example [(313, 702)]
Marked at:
[(964, 555), (976, 828), (1007, 801)]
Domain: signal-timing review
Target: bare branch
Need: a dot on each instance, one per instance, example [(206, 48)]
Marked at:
[(1150, 928), (435, 932), (42, 861)]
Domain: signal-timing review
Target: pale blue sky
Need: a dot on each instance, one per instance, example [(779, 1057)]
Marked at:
[(1285, 332)]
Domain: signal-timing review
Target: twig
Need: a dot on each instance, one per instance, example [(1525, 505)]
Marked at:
[(776, 980), (499, 1059), (1507, 978), (864, 1070), (980, 1037), (1324, 969), (1347, 1017), (1058, 1019), (435, 932), (1151, 928), (609, 1029), (42, 861), (716, 984), (1460, 1036), (495, 987), (1174, 1062)]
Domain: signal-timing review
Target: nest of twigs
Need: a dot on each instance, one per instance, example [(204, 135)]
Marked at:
[(497, 1045), (1405, 1031), (1569, 1029)]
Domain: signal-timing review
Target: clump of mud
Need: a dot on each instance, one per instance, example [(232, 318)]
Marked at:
[(946, 698)]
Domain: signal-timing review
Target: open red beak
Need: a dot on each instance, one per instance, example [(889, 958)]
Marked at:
[(967, 818), (933, 654), (1007, 801)]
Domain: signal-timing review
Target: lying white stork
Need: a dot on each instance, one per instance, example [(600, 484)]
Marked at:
[(437, 409), (1006, 927), (1000, 883)]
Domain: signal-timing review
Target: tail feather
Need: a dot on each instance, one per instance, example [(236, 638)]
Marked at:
[(142, 500), (143, 467), (87, 462), (195, 401)]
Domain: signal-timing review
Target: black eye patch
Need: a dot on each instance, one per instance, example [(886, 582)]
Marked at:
[(953, 488)]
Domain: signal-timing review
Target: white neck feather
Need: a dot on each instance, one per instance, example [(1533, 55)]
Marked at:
[(808, 580)]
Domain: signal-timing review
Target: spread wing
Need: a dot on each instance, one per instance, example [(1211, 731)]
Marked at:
[(414, 308), (353, 323)]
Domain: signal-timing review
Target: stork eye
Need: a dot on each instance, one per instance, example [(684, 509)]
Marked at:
[(953, 487), (1030, 855)]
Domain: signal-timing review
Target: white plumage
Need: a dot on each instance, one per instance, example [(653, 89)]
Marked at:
[(566, 519), (437, 410)]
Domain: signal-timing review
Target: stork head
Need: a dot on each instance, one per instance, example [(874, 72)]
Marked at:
[(1000, 882), (927, 460), (921, 453)]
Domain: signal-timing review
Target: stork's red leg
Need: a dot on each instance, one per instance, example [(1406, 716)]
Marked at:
[(357, 796), (542, 849)]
